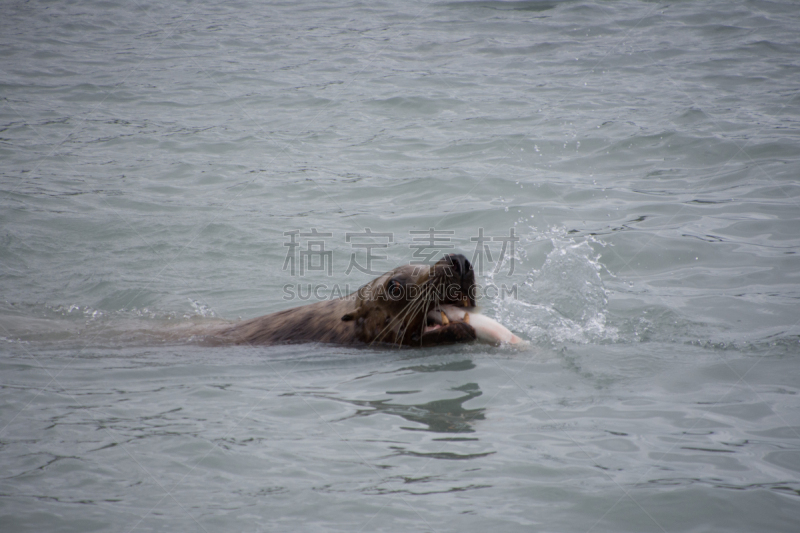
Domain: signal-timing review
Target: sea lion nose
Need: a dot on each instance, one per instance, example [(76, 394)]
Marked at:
[(460, 264), (461, 269), (465, 276)]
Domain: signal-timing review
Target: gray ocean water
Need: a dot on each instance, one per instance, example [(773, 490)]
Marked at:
[(159, 159)]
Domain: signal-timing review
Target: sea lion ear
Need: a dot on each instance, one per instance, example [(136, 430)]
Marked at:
[(358, 313)]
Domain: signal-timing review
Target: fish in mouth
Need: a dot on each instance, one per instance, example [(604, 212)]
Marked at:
[(412, 305), (487, 330)]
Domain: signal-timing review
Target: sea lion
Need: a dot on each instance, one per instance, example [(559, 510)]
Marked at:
[(392, 309)]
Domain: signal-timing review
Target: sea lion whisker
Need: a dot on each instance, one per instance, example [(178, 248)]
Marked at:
[(372, 314), (432, 287), (428, 302), (391, 323), (419, 305), (408, 310)]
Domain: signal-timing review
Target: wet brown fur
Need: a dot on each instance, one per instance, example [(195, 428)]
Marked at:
[(371, 315)]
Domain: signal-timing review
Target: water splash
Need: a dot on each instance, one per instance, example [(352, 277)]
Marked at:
[(561, 297), (72, 311), (565, 299), (201, 309)]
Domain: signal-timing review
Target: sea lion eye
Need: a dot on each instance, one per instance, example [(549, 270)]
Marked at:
[(394, 289)]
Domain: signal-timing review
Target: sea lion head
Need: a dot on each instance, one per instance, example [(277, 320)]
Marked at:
[(394, 308)]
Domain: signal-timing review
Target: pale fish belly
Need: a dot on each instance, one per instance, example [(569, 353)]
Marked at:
[(488, 330)]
